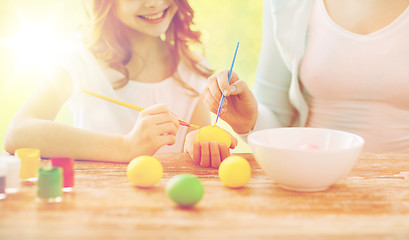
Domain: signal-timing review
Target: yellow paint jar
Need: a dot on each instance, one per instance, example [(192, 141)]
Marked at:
[(30, 163)]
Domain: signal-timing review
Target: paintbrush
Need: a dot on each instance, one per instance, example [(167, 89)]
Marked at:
[(131, 106), (223, 97)]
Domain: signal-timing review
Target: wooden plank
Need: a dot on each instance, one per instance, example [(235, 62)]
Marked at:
[(371, 202)]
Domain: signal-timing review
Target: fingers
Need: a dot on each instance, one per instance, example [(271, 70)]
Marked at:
[(240, 87), (159, 120), (192, 147), (163, 118), (189, 141), (218, 84), (214, 155), (224, 152), (223, 81), (165, 128), (166, 139), (212, 93), (155, 109), (209, 101), (210, 154), (234, 141), (196, 153), (205, 154), (159, 113), (234, 77)]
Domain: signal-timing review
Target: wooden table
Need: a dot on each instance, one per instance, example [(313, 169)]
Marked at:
[(371, 202)]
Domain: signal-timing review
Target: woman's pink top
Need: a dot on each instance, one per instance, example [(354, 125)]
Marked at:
[(359, 83)]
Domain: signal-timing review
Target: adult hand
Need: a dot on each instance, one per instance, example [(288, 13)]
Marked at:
[(207, 154), (240, 106)]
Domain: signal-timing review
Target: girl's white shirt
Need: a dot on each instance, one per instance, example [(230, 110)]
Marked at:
[(91, 113)]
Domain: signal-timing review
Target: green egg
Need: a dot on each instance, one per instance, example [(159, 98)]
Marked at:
[(185, 190)]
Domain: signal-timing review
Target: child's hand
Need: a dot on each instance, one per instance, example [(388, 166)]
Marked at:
[(155, 127), (239, 107), (207, 154)]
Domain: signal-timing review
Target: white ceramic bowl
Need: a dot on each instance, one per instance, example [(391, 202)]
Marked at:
[(282, 154)]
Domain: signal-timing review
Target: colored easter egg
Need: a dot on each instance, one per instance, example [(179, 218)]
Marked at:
[(144, 171), (309, 146), (185, 190), (213, 134), (235, 171)]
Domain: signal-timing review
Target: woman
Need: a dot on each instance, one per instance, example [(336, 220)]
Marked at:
[(325, 63)]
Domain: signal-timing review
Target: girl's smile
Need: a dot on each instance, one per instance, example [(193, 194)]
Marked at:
[(155, 17), (151, 18)]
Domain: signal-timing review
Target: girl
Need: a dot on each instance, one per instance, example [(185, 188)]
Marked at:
[(326, 63), (137, 52)]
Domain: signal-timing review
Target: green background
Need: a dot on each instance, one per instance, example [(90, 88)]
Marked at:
[(222, 22)]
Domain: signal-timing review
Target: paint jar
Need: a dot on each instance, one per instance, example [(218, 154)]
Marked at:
[(13, 172), (30, 161), (49, 184), (67, 165), (3, 173)]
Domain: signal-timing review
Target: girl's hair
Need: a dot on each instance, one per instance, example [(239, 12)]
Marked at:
[(108, 43)]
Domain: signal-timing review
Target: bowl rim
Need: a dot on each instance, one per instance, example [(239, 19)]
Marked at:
[(251, 138)]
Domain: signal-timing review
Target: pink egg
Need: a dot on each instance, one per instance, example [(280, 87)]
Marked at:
[(309, 146)]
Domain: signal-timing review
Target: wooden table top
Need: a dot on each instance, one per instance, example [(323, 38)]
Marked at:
[(371, 202)]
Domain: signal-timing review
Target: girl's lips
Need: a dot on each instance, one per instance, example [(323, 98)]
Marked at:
[(154, 18)]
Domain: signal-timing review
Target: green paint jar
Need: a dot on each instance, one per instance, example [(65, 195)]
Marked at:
[(50, 184)]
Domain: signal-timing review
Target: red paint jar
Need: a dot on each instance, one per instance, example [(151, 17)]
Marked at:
[(67, 165)]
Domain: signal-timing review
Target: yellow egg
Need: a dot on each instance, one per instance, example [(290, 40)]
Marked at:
[(235, 171), (144, 171), (213, 134)]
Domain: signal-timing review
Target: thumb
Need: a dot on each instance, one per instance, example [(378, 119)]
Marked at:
[(234, 141)]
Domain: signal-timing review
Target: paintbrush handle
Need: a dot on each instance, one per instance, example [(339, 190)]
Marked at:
[(228, 80), (113, 100), (131, 106)]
